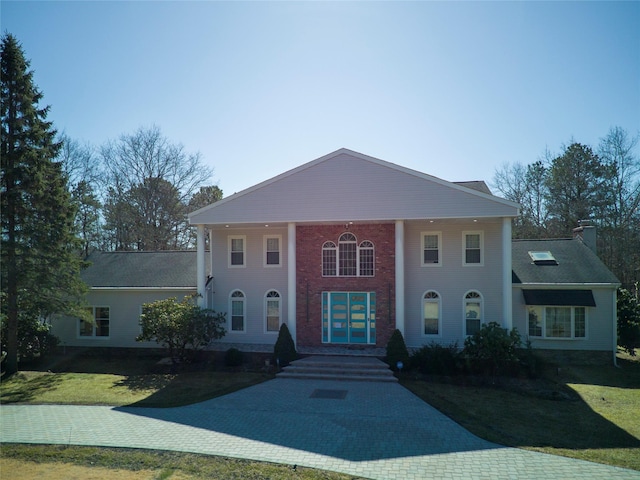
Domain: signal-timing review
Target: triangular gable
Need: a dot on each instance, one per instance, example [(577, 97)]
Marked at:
[(349, 186)]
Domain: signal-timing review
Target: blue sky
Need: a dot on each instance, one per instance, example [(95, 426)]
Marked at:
[(453, 89)]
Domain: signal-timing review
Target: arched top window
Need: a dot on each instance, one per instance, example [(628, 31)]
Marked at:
[(272, 311), (431, 312), (347, 237), (348, 258), (237, 309), (473, 311)]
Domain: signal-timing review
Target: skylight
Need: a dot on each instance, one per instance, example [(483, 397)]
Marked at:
[(543, 258)]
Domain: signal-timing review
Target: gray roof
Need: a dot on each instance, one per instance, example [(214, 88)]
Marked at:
[(141, 269), (577, 263), (478, 185)]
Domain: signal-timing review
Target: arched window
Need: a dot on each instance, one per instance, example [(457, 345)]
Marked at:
[(272, 311), (347, 258), (366, 258), (347, 255), (329, 259), (472, 312), (431, 313), (237, 309)]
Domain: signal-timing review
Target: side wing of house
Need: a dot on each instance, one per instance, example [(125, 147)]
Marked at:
[(119, 284), (564, 297)]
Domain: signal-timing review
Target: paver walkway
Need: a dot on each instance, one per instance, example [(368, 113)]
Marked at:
[(371, 430)]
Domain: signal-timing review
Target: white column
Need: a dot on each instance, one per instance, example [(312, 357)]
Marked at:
[(291, 280), (400, 276), (200, 283), (507, 287)]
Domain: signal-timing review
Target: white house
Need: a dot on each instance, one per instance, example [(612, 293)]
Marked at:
[(347, 248)]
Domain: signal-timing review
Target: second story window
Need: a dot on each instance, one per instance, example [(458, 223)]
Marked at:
[(272, 251), (348, 258), (472, 248), (237, 246)]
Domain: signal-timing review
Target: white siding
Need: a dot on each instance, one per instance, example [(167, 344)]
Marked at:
[(599, 323), (124, 317), (348, 186), (451, 280), (254, 280)]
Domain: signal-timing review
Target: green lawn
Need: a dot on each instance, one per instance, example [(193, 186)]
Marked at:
[(590, 413), (583, 412)]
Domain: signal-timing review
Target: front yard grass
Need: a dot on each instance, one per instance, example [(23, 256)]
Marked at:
[(584, 412), (57, 462), (120, 382)]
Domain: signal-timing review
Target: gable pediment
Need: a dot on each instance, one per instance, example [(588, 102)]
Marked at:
[(345, 186)]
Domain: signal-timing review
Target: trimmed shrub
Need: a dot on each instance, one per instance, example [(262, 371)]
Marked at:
[(233, 357), (397, 351), (436, 359), (492, 349), (284, 351)]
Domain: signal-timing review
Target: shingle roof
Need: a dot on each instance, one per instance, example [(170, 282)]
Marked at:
[(141, 269), (478, 185), (577, 263)]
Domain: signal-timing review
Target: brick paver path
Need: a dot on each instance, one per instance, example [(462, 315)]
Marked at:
[(371, 430)]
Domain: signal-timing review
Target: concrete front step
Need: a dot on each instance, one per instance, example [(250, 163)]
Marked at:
[(331, 367)]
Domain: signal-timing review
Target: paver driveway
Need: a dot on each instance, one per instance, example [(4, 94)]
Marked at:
[(372, 430)]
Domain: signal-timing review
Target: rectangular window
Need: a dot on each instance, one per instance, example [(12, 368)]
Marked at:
[(347, 259), (237, 315), (473, 317), (557, 322), (272, 251), (98, 327), (237, 251), (329, 262), (472, 248), (273, 315), (431, 318), (366, 259), (535, 322), (431, 242)]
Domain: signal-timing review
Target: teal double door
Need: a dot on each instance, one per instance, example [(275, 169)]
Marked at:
[(349, 317)]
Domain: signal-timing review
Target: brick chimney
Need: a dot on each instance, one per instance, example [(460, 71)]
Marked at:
[(586, 234)]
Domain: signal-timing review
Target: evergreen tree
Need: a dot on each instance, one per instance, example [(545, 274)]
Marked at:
[(40, 261)]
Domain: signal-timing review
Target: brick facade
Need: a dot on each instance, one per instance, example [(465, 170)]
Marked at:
[(311, 283)]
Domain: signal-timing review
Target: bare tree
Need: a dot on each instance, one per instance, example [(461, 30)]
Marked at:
[(619, 218), (142, 169)]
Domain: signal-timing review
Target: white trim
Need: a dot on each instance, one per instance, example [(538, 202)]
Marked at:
[(507, 280), (614, 316), (133, 289), (439, 302), (464, 248), (291, 281), (200, 281), (230, 239), (464, 310), (422, 249), (93, 336), (399, 236), (265, 241), (543, 323), (266, 311), (244, 312)]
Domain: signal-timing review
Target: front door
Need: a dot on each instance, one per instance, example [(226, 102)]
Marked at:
[(349, 317)]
